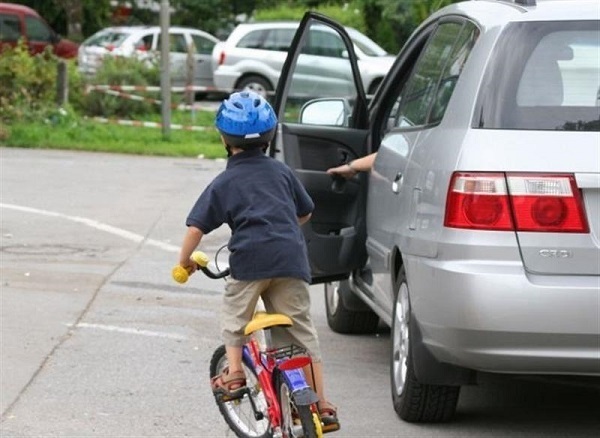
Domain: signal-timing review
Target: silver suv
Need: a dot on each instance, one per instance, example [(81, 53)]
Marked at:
[(476, 236), (254, 53)]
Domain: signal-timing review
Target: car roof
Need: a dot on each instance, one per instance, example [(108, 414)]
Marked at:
[(134, 30), (492, 13), (13, 7), (143, 27)]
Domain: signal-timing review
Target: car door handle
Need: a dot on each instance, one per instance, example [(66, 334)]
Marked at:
[(397, 184)]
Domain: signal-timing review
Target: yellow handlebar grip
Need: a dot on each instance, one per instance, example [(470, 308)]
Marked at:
[(179, 274), (200, 258)]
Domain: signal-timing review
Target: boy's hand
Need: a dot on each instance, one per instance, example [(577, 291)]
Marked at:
[(189, 265)]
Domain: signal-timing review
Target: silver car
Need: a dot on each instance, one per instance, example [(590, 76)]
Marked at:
[(254, 53), (143, 43), (476, 236)]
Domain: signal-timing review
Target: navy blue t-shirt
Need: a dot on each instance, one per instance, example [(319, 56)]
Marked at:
[(260, 199)]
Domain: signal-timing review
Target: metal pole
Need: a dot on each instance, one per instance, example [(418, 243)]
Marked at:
[(165, 78), (62, 83)]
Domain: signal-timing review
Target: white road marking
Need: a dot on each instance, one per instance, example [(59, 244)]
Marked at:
[(97, 225), (132, 331)]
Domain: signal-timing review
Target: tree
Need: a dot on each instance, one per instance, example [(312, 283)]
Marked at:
[(402, 15), (74, 15), (72, 18)]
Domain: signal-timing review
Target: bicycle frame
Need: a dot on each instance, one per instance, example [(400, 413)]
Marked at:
[(265, 366)]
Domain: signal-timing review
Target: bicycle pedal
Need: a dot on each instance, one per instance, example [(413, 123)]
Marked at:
[(223, 397), (330, 427)]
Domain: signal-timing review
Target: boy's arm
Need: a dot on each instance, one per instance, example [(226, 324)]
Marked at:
[(192, 239)]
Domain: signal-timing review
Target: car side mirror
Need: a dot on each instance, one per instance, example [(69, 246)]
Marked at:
[(328, 112)]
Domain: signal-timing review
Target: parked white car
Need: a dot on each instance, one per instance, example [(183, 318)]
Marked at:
[(143, 42), (254, 53)]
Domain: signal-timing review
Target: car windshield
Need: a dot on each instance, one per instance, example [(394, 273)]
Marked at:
[(544, 76), (107, 38), (365, 44)]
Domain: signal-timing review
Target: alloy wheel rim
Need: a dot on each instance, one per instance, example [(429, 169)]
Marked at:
[(332, 295), (400, 339)]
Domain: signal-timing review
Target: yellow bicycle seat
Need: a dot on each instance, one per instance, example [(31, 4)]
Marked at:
[(263, 320)]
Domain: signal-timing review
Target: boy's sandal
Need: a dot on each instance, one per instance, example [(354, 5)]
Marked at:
[(328, 414), (227, 383)]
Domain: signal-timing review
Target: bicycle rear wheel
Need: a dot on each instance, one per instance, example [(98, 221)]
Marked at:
[(239, 414), (297, 421)]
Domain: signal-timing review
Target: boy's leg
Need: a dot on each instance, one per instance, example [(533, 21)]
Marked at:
[(239, 303), (234, 358), (291, 297)]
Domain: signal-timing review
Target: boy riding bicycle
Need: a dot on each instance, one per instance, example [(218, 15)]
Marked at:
[(264, 204)]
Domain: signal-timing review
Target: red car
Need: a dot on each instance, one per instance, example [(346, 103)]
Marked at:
[(17, 21)]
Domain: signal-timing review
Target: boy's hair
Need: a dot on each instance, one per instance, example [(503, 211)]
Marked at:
[(246, 121)]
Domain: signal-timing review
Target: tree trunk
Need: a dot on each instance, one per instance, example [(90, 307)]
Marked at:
[(74, 11)]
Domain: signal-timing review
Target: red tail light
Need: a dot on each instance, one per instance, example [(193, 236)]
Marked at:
[(530, 202), (222, 58)]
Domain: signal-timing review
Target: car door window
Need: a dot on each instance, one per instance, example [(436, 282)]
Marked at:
[(432, 81), (324, 43), (144, 43), (203, 46), (177, 43), (330, 77), (279, 40), (36, 30), (254, 40), (460, 53), (9, 28)]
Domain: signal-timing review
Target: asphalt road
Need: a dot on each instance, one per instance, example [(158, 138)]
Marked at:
[(97, 341)]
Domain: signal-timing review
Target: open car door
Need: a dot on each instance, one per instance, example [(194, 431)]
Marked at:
[(323, 118)]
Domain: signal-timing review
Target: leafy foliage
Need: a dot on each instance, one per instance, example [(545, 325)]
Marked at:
[(121, 71), (27, 83), (348, 15)]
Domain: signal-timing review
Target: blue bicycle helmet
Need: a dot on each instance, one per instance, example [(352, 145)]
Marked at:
[(246, 120)]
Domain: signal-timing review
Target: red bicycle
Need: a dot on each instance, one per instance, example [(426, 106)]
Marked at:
[(277, 401)]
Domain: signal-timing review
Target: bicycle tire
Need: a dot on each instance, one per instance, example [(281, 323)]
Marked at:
[(239, 414), (297, 420)]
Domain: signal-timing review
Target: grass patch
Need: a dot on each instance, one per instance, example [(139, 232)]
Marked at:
[(73, 133)]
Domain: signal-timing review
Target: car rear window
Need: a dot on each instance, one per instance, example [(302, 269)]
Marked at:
[(104, 39), (543, 76)]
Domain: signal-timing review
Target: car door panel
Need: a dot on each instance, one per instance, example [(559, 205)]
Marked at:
[(389, 197), (335, 235), (331, 235)]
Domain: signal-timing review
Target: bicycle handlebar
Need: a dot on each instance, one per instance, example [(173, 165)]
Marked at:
[(181, 275)]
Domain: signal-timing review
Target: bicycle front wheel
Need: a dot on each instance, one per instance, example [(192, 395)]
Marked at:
[(240, 414), (297, 421)]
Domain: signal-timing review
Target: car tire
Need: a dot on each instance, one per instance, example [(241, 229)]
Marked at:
[(413, 401), (255, 83), (343, 319)]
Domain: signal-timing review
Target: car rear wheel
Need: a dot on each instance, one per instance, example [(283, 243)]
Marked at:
[(343, 319), (255, 83), (414, 401)]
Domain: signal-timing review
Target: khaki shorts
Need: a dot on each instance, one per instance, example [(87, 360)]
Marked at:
[(289, 296)]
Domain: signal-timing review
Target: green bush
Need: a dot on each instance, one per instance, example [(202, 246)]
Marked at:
[(349, 15), (28, 84), (122, 71)]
